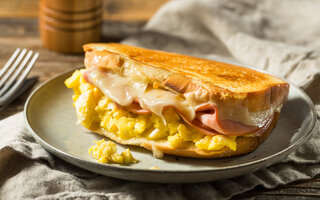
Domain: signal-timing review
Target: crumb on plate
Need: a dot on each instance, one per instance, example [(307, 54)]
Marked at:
[(155, 167)]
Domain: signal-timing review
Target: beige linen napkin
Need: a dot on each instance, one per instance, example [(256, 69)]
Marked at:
[(265, 34)]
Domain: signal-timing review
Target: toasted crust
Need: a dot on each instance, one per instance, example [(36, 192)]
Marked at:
[(245, 145), (203, 80)]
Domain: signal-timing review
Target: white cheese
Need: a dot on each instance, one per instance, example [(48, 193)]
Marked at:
[(124, 90), (156, 100), (121, 90)]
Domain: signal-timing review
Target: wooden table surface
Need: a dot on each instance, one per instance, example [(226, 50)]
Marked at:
[(19, 28)]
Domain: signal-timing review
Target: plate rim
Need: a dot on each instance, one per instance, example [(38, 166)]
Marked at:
[(61, 153)]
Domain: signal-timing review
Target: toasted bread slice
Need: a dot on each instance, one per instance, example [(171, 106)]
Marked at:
[(204, 80)]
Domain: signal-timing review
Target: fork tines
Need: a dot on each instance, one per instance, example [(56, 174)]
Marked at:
[(15, 71)]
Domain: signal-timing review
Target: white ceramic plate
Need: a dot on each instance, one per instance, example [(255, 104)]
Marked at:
[(51, 119)]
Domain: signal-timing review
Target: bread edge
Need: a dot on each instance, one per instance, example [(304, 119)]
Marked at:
[(275, 94)]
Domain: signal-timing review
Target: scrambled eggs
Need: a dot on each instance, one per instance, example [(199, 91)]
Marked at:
[(105, 152), (95, 110)]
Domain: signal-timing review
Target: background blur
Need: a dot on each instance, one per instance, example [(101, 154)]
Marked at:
[(121, 18), (19, 28), (114, 10)]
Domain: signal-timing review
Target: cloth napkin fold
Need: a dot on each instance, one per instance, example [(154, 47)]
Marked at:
[(263, 34)]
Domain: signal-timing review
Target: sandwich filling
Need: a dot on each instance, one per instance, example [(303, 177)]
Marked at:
[(141, 97), (131, 106), (95, 110)]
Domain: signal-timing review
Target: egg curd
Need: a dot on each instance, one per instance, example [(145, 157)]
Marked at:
[(95, 110), (106, 152)]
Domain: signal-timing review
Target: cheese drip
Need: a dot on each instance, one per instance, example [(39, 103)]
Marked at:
[(124, 91), (121, 90), (156, 100)]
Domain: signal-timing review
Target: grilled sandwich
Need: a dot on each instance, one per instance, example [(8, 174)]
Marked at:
[(175, 104)]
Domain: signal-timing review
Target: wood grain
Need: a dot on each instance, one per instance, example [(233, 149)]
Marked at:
[(114, 10)]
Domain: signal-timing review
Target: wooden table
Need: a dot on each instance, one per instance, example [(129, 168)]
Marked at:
[(19, 28)]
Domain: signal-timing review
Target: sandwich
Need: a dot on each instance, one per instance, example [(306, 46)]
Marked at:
[(175, 104)]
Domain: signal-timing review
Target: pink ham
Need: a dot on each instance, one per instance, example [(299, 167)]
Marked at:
[(207, 120), (196, 124), (208, 123), (86, 77), (136, 108), (202, 128), (208, 115)]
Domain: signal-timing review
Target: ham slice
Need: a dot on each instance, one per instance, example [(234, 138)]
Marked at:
[(208, 115), (202, 128), (207, 121), (136, 108), (86, 78)]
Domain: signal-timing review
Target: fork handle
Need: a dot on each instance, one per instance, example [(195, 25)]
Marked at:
[(26, 84)]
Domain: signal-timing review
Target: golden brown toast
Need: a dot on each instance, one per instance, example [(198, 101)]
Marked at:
[(204, 80)]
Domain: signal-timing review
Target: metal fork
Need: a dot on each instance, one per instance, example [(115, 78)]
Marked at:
[(13, 74)]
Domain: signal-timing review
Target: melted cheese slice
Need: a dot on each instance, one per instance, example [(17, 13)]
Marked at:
[(156, 100), (119, 89), (124, 90)]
